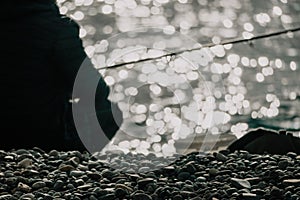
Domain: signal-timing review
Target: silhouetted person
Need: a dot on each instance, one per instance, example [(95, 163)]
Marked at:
[(41, 54), (261, 141)]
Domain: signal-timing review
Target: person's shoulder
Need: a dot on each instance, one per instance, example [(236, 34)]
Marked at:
[(66, 21)]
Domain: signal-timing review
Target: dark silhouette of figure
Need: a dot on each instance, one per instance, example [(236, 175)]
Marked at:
[(261, 141), (42, 53)]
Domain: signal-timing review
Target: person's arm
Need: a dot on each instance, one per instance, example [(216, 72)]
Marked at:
[(69, 56)]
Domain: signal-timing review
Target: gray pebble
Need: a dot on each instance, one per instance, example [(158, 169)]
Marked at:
[(26, 162), (76, 173), (213, 171), (27, 196), (249, 196), (240, 183), (294, 182), (54, 153), (23, 187), (84, 187), (6, 197)]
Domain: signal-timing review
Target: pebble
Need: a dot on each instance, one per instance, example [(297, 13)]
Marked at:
[(249, 196), (23, 187), (54, 153), (94, 176), (107, 197), (283, 164), (213, 171), (106, 173), (183, 175), (294, 182), (38, 184), (58, 185), (26, 162), (240, 183), (123, 187), (66, 168), (292, 154), (76, 173), (6, 197), (275, 191), (119, 192), (84, 187), (144, 182), (141, 196), (221, 157), (28, 196)]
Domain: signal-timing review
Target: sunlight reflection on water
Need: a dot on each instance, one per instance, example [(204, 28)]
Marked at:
[(260, 78)]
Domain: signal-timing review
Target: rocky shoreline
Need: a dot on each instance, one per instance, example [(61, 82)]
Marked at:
[(35, 174)]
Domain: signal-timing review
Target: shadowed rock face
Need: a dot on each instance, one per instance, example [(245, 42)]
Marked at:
[(262, 140)]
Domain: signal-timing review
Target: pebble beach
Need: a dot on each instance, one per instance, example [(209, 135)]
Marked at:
[(35, 174)]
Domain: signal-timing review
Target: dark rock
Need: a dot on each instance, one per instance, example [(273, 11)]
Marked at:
[(253, 180), (119, 192), (58, 185), (221, 157), (66, 168), (107, 174), (107, 197), (275, 191), (28, 196), (141, 196), (143, 182), (213, 171), (177, 197), (258, 191), (291, 154), (261, 185), (11, 181), (123, 187), (38, 184), (231, 190), (190, 167), (283, 164), (169, 169), (79, 182), (186, 194), (21, 151), (183, 175), (70, 186), (94, 176), (54, 153)]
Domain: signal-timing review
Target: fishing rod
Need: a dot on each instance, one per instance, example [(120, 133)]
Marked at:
[(208, 45)]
